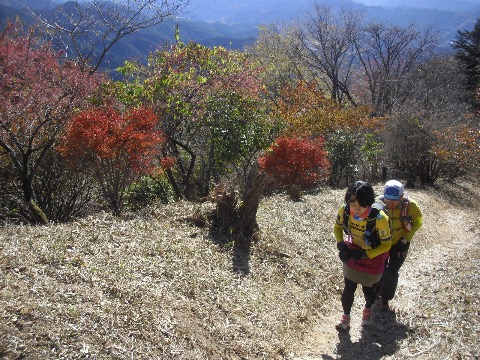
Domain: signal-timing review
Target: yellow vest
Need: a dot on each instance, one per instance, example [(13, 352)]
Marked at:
[(357, 228), (396, 220)]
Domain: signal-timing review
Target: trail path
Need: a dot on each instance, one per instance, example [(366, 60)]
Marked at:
[(437, 292)]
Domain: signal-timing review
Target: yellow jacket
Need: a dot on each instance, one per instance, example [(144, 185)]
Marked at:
[(358, 227), (414, 215)]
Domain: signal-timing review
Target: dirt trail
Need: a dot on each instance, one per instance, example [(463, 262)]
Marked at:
[(429, 306)]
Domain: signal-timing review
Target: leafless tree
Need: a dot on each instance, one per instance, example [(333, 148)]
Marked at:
[(326, 42), (387, 55), (437, 87), (273, 50), (433, 101), (88, 29)]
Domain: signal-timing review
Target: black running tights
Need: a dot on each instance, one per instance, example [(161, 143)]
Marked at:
[(348, 295)]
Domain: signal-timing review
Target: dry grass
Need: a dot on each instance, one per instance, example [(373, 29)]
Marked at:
[(154, 285), (442, 308)]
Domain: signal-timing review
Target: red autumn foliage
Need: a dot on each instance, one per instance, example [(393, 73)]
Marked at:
[(300, 162), (39, 92), (120, 146), (124, 140)]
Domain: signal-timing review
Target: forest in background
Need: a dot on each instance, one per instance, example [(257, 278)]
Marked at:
[(329, 99)]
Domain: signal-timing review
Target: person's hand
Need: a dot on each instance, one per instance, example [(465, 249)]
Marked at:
[(343, 251), (402, 247), (373, 239), (357, 254)]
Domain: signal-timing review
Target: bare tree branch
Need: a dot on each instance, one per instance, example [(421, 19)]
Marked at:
[(87, 30), (326, 40), (387, 54)]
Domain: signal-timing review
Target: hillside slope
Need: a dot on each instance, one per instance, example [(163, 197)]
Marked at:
[(157, 286)]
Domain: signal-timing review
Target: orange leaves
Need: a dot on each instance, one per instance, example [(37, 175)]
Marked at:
[(131, 138), (301, 162), (119, 145), (459, 145), (307, 111)]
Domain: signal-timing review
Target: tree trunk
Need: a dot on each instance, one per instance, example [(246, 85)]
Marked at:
[(246, 223), (239, 221), (37, 214)]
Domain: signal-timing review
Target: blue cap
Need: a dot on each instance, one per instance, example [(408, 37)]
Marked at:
[(393, 190)]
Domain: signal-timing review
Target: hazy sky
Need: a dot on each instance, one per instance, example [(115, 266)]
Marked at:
[(396, 2)]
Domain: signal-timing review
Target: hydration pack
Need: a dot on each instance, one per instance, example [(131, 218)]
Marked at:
[(371, 233), (404, 218)]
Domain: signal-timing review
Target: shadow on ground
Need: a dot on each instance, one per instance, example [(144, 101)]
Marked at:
[(240, 249), (381, 339)]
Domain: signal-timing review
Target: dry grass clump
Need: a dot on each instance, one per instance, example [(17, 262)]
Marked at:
[(159, 285)]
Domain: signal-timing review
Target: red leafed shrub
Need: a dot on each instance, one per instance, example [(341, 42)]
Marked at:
[(119, 146), (300, 162), (125, 140)]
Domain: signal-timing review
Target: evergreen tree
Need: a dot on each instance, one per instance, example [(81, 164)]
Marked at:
[(467, 44)]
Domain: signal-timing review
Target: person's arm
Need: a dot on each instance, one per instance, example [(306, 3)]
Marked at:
[(416, 214), (338, 227), (343, 251)]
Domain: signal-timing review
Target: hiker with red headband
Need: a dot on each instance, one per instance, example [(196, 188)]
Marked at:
[(405, 219), (363, 241)]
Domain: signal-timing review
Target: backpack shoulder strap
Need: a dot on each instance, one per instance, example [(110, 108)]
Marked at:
[(406, 220), (406, 202), (346, 219), (371, 220)]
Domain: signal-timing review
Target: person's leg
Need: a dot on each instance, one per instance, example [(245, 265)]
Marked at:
[(370, 295), (348, 296), (378, 285), (389, 279)]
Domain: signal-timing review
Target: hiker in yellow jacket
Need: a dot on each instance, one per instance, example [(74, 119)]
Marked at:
[(405, 219), (364, 249)]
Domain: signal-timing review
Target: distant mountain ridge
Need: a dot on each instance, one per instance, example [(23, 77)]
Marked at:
[(455, 5), (448, 16), (141, 43), (234, 23), (261, 11)]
